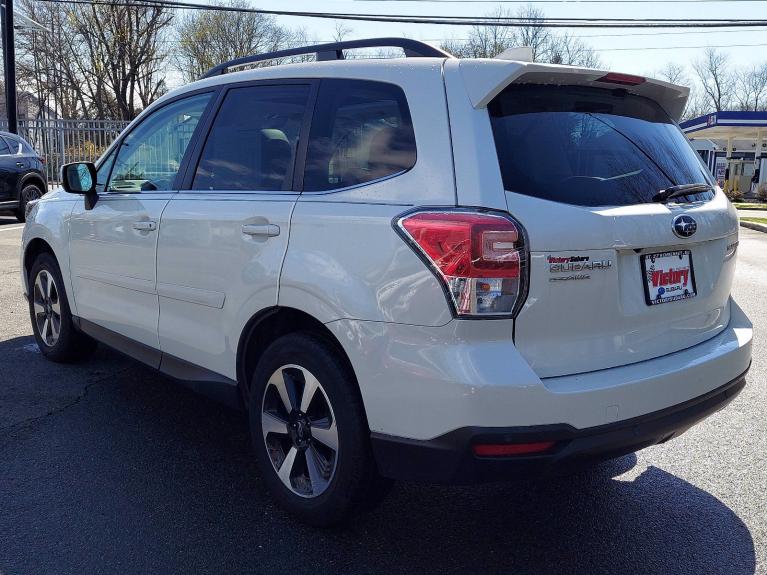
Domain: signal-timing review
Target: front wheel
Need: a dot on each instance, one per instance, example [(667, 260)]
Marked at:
[(55, 332), (310, 433)]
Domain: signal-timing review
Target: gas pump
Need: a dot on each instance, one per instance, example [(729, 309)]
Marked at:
[(726, 186), (741, 175), (755, 180)]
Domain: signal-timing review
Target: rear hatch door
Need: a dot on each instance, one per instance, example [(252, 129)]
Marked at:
[(616, 276)]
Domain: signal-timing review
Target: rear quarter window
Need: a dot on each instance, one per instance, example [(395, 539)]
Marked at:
[(27, 148), (361, 132), (590, 146)]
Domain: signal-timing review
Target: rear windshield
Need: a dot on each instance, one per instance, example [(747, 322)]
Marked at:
[(590, 146)]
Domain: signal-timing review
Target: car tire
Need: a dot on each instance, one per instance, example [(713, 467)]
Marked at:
[(28, 193), (301, 386), (56, 334)]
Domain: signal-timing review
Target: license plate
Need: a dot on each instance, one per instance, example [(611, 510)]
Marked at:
[(668, 276)]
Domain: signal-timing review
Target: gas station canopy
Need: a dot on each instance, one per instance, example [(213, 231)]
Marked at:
[(727, 126), (744, 131)]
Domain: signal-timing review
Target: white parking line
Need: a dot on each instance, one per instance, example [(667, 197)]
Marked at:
[(5, 229)]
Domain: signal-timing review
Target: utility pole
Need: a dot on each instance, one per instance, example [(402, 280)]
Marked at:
[(9, 55)]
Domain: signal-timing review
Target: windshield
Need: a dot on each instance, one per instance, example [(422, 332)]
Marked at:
[(590, 146)]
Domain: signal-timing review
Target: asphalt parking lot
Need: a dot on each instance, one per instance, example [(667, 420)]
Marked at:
[(108, 467)]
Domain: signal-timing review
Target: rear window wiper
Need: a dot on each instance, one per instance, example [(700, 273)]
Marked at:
[(681, 190)]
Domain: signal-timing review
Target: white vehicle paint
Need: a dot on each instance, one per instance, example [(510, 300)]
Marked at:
[(196, 273)]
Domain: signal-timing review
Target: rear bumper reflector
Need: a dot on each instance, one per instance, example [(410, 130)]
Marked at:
[(510, 449)]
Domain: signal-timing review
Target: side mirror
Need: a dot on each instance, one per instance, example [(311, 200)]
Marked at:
[(79, 178)]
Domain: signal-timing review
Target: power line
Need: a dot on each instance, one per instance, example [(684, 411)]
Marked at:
[(672, 47), (568, 1), (624, 34), (592, 49), (683, 33), (494, 19), (449, 20)]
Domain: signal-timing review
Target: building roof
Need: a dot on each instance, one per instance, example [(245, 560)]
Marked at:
[(727, 124)]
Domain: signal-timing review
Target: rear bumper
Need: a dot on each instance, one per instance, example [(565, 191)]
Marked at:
[(421, 383), (449, 458)]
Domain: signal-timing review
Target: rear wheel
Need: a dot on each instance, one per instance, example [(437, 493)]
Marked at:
[(309, 432), (56, 335), (28, 193)]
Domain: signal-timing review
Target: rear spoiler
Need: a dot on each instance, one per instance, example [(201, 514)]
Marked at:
[(484, 79)]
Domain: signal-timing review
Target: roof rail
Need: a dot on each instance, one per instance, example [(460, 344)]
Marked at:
[(334, 51)]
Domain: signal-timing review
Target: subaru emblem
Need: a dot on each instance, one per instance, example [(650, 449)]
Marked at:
[(684, 226)]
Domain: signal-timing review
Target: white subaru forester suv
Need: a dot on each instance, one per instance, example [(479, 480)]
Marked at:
[(420, 268)]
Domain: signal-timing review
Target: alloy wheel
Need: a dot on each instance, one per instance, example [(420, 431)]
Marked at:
[(299, 430), (31, 193), (47, 308)]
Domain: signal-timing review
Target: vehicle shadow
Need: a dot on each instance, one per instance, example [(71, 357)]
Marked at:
[(590, 523), (143, 473)]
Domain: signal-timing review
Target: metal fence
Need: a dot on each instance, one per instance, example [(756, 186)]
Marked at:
[(63, 141)]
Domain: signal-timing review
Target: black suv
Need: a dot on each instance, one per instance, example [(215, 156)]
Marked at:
[(22, 174)]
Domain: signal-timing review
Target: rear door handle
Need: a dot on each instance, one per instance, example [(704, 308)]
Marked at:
[(268, 230), (145, 226), (21, 164)]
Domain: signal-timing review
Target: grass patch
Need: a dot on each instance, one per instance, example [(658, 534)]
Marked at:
[(762, 221), (749, 206)]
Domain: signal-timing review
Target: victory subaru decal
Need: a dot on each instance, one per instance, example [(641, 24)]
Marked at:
[(576, 266)]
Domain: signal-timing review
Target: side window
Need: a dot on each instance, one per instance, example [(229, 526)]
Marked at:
[(4, 148), (102, 172), (150, 155), (252, 142), (14, 144), (361, 132)]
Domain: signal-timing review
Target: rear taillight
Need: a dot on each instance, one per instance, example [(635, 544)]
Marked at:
[(480, 257)]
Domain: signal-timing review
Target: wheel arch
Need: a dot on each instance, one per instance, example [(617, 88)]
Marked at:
[(266, 327), (34, 248), (31, 178)]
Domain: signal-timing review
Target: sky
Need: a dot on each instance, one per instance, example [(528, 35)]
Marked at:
[(626, 50)]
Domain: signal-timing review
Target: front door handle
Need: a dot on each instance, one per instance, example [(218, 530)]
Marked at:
[(21, 164), (145, 226), (268, 230)]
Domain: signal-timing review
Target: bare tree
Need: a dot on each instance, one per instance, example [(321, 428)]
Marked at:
[(99, 60), (486, 41), (697, 104), (571, 51), (42, 68), (536, 37), (716, 78), (489, 40), (124, 55), (341, 31), (752, 88), (674, 73), (206, 39)]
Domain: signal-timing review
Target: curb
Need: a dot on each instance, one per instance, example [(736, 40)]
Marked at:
[(753, 226)]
